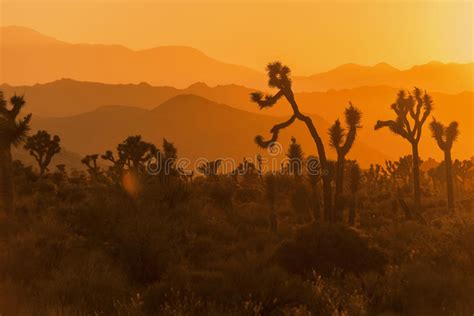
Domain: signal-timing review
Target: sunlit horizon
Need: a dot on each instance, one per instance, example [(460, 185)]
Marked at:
[(311, 36)]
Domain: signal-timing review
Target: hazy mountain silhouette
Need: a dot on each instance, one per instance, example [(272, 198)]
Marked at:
[(29, 57), (197, 126), (68, 97), (434, 76)]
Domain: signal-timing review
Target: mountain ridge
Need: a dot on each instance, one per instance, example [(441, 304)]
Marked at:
[(67, 98), (180, 66), (228, 133)]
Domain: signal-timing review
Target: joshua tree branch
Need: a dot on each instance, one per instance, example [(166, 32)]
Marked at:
[(267, 101), (403, 116), (349, 141), (394, 126), (275, 131)]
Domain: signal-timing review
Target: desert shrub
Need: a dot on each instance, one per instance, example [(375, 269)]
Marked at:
[(250, 286), (86, 281), (247, 195), (324, 247), (301, 202), (31, 254), (220, 192), (145, 247), (420, 289), (238, 285)]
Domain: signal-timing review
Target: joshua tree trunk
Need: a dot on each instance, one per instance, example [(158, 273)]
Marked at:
[(42, 169), (416, 176), (6, 179), (325, 175), (321, 153), (352, 209), (449, 178), (338, 198)]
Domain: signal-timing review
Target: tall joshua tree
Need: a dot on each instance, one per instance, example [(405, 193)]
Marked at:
[(418, 107), (43, 147), (337, 134), (12, 132), (278, 77), (445, 137)]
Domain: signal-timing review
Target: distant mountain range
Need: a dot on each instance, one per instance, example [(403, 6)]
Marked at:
[(199, 128), (70, 98), (203, 104), (28, 57)]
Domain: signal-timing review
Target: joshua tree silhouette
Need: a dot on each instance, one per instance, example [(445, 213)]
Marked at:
[(43, 147), (445, 137), (314, 178), (90, 161), (278, 77), (336, 135), (168, 159), (12, 132), (295, 156), (133, 153), (417, 106), (462, 171), (391, 172), (210, 168)]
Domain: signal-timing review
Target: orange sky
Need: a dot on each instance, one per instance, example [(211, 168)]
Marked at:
[(311, 36)]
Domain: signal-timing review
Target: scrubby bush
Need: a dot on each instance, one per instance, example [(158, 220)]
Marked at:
[(80, 246), (324, 248)]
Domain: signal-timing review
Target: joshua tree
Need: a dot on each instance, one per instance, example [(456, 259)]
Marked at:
[(354, 186), (391, 172), (133, 153), (445, 137), (404, 167), (247, 170), (12, 132), (170, 154), (463, 171), (417, 106), (43, 147), (90, 161), (437, 176), (314, 177), (62, 169), (295, 156), (210, 168), (278, 77), (337, 134)]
